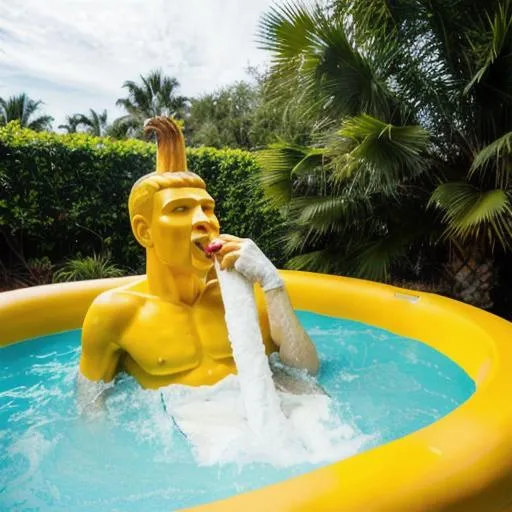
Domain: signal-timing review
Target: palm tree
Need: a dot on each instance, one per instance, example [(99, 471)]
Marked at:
[(125, 127), (71, 124), (155, 96), (413, 104), (94, 123), (21, 108)]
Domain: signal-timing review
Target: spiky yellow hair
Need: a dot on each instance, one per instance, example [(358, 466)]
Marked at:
[(170, 155), (171, 167)]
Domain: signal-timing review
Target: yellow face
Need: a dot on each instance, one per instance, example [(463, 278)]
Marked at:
[(183, 224)]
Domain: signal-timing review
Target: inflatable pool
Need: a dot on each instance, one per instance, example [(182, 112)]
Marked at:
[(462, 462)]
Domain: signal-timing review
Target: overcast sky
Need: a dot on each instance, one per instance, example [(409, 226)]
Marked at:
[(76, 54)]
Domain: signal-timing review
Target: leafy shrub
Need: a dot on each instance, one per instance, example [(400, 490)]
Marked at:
[(64, 195), (34, 272), (97, 266)]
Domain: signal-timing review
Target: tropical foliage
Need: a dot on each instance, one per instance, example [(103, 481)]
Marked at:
[(24, 110), (388, 147), (94, 123), (411, 152), (97, 266), (72, 123), (243, 115), (155, 95), (223, 118)]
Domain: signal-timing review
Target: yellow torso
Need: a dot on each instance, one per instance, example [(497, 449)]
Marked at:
[(167, 343)]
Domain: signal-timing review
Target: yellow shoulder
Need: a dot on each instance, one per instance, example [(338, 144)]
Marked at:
[(102, 331), (110, 314)]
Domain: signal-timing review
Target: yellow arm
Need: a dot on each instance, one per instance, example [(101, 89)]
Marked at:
[(104, 324)]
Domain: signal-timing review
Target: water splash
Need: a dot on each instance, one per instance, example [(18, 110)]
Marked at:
[(214, 420)]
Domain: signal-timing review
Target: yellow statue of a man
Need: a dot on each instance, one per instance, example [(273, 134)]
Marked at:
[(168, 327)]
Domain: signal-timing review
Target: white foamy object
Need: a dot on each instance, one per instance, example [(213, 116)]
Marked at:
[(243, 419), (213, 420), (261, 402)]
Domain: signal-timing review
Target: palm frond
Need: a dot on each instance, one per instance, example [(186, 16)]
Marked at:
[(154, 96), (471, 213), (500, 32), (312, 53), (287, 30), (376, 19), (280, 164), (40, 123), (314, 261), (71, 124), (293, 240), (496, 157), (95, 122), (373, 261), (382, 154), (392, 75), (22, 108), (330, 213)]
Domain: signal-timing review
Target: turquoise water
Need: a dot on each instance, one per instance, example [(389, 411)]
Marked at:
[(132, 458)]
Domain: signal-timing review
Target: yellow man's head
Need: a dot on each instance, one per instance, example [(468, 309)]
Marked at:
[(170, 210)]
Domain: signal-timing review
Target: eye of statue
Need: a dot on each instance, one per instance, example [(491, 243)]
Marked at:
[(207, 208), (180, 209)]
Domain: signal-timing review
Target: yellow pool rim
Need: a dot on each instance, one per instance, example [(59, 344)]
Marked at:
[(462, 462)]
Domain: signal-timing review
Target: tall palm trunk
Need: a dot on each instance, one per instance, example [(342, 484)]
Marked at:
[(470, 271)]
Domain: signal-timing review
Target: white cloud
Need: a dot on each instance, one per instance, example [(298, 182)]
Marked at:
[(75, 54)]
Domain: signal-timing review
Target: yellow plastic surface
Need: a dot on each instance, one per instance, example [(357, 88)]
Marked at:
[(461, 463)]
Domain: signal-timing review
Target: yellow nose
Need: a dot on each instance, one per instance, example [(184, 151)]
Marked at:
[(199, 219)]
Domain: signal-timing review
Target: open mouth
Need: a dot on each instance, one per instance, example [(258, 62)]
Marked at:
[(202, 244)]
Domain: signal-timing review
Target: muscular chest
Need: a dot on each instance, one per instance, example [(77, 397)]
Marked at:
[(167, 338)]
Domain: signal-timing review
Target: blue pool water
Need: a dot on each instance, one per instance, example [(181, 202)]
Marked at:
[(132, 458)]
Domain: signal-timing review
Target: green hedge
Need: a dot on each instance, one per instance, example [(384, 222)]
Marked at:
[(66, 195)]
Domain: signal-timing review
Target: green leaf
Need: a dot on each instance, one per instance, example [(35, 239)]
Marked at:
[(97, 266), (312, 53), (316, 261), (500, 37), (281, 163), (495, 158), (470, 213), (380, 153)]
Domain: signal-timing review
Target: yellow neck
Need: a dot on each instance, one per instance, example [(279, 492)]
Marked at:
[(172, 284)]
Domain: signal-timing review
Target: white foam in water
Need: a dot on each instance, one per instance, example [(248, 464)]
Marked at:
[(33, 446), (213, 419), (243, 418)]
